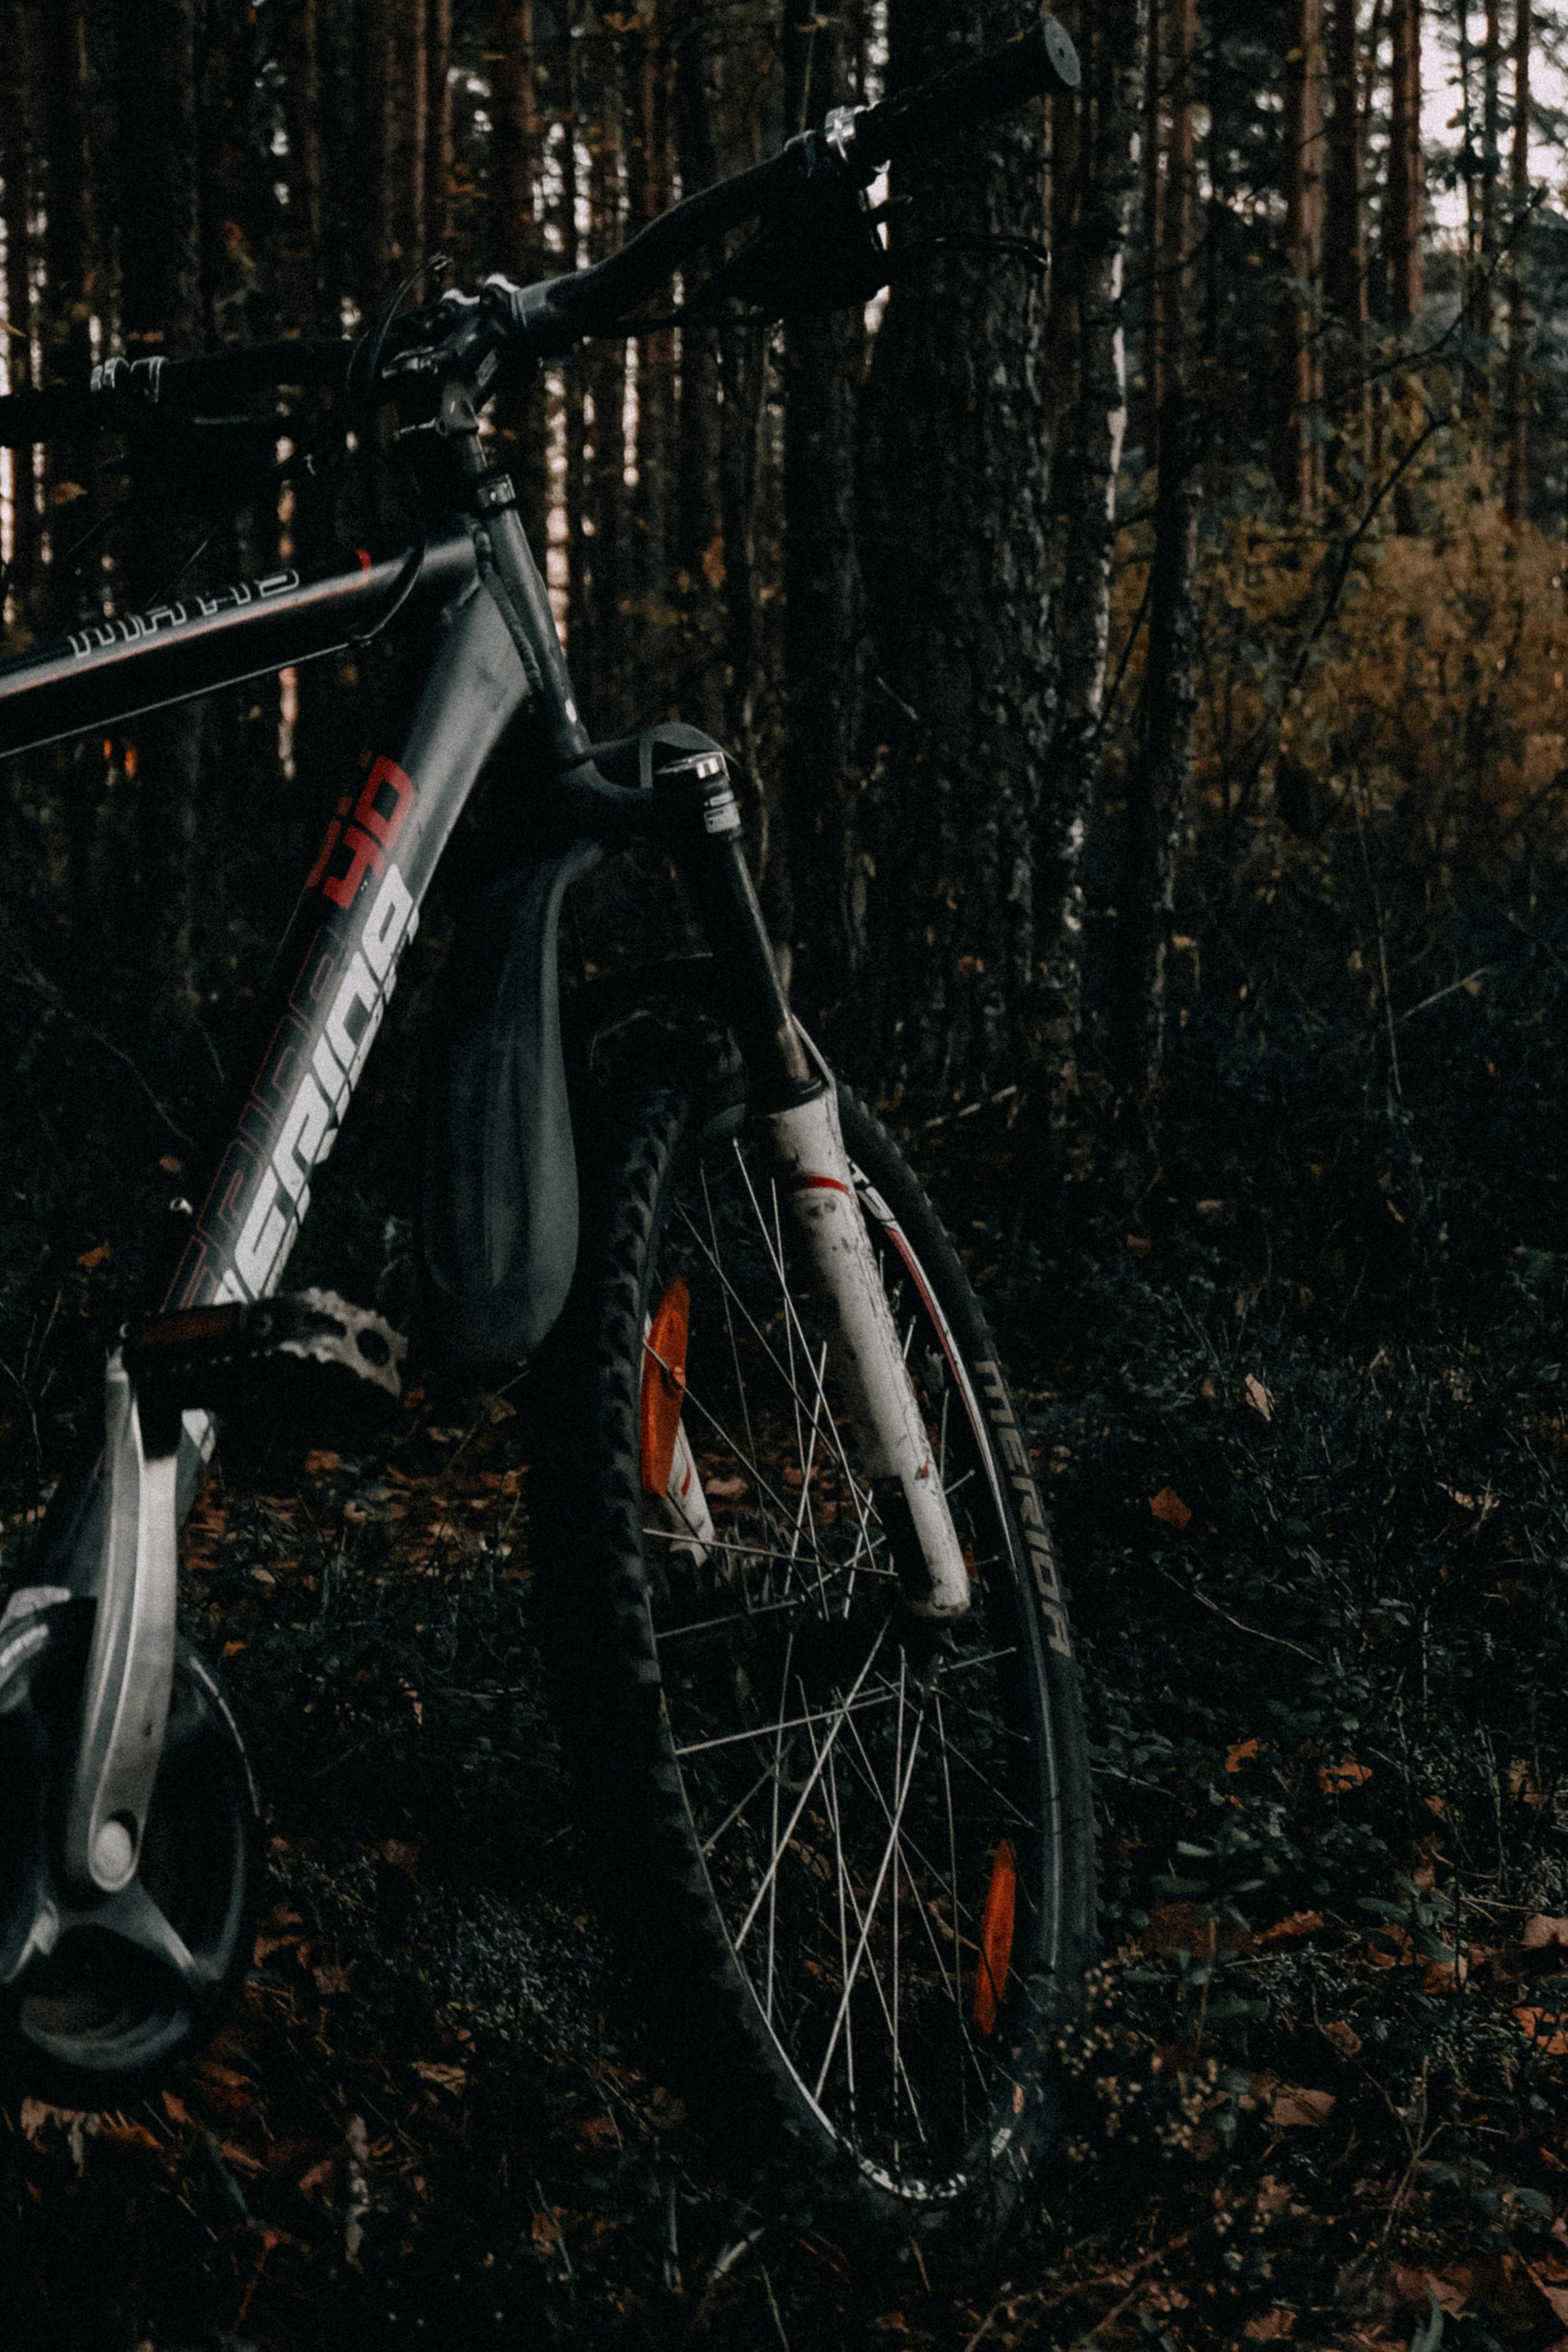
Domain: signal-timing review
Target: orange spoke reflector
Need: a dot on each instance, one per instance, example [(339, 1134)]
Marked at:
[(996, 1938), (664, 1385)]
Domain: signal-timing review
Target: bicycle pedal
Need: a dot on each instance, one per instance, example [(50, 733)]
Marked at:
[(281, 1367)]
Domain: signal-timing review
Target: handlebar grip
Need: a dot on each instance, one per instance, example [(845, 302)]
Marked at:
[(1042, 59), (123, 393)]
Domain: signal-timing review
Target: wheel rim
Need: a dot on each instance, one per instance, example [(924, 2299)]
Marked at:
[(869, 1795)]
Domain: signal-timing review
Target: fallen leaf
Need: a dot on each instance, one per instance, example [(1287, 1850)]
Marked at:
[(1446, 1974), (175, 2108), (1168, 1506), (597, 2131), (1271, 2326), (1137, 1245), (1259, 1399), (1556, 2296), (1235, 1758), (447, 2078), (1295, 1923), (1544, 2029), (1543, 1930), (1333, 1779), (316, 2177), (331, 1977), (322, 1458), (125, 2134), (231, 1649), (1299, 2109), (1342, 2037), (89, 1258), (170, 1166)]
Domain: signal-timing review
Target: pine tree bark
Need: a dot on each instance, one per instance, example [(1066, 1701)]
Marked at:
[(161, 311), (1491, 166), (1344, 249), (651, 559), (823, 596), (439, 142), (301, 289), (954, 513), (1407, 183), (410, 106), (1300, 470), (67, 244), (1154, 301), (1344, 239), (515, 243), (1516, 496), (1109, 99), (700, 570), (1158, 783), (18, 165), (381, 210)]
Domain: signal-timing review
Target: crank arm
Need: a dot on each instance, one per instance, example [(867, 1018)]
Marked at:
[(809, 1148), (130, 1663), (168, 1365)]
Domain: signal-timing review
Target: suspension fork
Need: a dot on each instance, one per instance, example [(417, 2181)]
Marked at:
[(796, 1106)]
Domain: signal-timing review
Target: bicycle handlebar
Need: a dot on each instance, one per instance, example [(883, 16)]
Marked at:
[(547, 318), (123, 394), (1040, 60)]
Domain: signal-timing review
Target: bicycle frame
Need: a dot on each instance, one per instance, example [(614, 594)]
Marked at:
[(493, 658)]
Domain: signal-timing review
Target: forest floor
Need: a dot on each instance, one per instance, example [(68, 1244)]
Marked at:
[(1300, 1409)]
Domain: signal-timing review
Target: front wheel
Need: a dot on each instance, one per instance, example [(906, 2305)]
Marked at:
[(854, 1847)]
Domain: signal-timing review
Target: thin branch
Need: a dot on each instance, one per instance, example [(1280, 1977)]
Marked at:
[(53, 998)]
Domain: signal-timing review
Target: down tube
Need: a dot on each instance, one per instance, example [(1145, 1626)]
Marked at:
[(338, 967)]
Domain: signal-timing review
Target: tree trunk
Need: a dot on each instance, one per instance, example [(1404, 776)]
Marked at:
[(1491, 164), (651, 559), (1154, 305), (1403, 211), (66, 292), (412, 113), (701, 573), (1301, 471), (1109, 100), (1344, 244), (1344, 251), (438, 137), (605, 367), (380, 209), (515, 245), (823, 599), (1157, 784), (300, 285), (1517, 491), (161, 311), (17, 164), (955, 516)]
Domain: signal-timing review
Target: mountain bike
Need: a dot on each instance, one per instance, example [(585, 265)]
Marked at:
[(813, 1644)]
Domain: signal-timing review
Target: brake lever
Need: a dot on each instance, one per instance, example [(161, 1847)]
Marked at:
[(823, 251)]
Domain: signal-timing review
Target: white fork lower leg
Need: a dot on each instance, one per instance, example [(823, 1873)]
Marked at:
[(863, 1346)]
